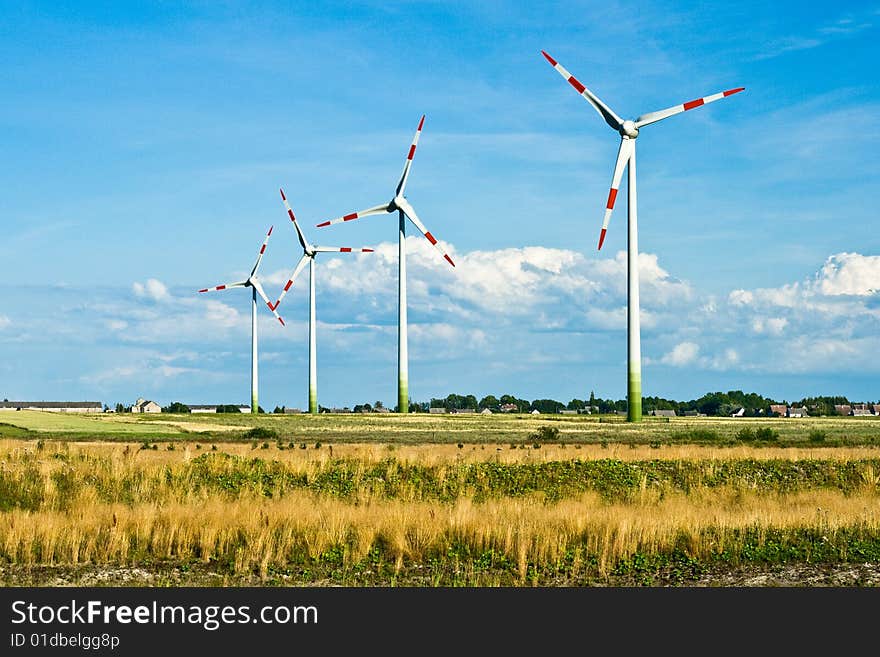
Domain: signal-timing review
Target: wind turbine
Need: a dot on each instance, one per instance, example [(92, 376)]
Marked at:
[(254, 283), (309, 252), (626, 157), (404, 209)]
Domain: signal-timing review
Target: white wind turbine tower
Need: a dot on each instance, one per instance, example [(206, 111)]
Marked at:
[(626, 156), (404, 209), (309, 252), (254, 283)]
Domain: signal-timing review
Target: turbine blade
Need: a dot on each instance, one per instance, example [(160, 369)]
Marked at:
[(653, 117), (302, 238), (623, 155), (604, 111), (377, 209), (262, 293), (340, 249), (299, 267), (262, 251), (410, 212), (225, 286), (409, 158)]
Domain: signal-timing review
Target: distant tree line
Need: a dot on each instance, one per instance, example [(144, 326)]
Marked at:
[(711, 403)]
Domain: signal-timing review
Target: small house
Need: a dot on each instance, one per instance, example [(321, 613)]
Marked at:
[(740, 412), (145, 406), (662, 412), (843, 409), (437, 410), (797, 411)]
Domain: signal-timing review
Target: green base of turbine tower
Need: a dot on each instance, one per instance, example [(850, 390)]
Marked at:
[(634, 398), (402, 397)]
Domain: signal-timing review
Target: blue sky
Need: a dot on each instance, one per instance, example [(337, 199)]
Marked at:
[(142, 147)]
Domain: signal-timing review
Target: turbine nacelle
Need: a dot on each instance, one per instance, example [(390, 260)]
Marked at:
[(629, 130)]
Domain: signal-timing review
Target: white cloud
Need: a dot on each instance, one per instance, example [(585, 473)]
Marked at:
[(153, 289), (5, 321), (770, 325), (741, 298), (682, 354), (848, 274)]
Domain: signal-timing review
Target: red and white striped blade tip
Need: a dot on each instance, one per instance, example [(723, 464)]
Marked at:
[(449, 260), (549, 58), (282, 321), (283, 197), (205, 290), (602, 238)]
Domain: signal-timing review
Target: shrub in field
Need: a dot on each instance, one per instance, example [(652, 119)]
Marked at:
[(546, 433), (766, 433), (261, 433), (745, 434), (695, 435), (817, 436)]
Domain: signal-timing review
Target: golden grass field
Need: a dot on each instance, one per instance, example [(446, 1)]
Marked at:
[(384, 513)]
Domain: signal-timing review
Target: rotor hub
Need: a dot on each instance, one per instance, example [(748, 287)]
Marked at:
[(629, 129)]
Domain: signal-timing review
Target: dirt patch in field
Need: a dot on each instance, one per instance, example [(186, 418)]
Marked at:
[(846, 575)]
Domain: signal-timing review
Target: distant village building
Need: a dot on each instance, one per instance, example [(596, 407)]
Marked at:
[(843, 409), (568, 411), (780, 409), (740, 412), (146, 406), (536, 412), (380, 409), (437, 410), (508, 408), (876, 408), (797, 411), (54, 407), (662, 412), (212, 408), (291, 411), (486, 411), (463, 411), (862, 409)]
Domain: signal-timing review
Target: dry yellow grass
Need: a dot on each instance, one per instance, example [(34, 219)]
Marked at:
[(439, 454), (256, 533)]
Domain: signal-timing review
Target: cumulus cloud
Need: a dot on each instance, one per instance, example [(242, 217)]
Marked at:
[(770, 325), (5, 321), (682, 354), (848, 274), (153, 289)]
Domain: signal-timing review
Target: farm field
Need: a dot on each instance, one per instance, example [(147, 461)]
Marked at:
[(395, 513), (434, 429)]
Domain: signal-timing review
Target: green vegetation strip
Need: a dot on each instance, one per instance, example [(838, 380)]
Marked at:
[(24, 487)]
